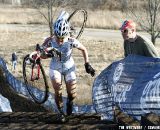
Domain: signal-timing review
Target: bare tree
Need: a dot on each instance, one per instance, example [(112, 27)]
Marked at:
[(148, 17), (51, 7)]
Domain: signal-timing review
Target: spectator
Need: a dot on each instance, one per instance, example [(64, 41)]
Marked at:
[(136, 44), (14, 61)]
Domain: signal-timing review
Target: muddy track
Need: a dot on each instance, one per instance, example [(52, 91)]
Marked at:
[(46, 120)]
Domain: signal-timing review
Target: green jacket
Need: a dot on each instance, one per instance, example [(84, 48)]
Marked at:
[(141, 46)]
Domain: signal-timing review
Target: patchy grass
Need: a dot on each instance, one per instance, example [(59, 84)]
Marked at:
[(96, 19)]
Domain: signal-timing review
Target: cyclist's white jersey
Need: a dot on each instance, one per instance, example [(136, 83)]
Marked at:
[(66, 64)]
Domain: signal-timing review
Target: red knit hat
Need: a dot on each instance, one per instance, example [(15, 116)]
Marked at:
[(128, 24)]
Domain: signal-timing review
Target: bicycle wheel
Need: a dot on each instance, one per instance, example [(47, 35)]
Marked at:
[(35, 80), (78, 21)]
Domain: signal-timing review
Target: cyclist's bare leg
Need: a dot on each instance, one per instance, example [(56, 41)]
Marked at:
[(56, 83), (71, 91)]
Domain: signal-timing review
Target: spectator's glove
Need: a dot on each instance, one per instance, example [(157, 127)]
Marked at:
[(89, 69)]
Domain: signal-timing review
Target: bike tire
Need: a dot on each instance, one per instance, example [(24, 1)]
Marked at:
[(82, 25), (30, 85)]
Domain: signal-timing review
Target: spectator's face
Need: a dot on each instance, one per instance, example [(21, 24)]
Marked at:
[(128, 33)]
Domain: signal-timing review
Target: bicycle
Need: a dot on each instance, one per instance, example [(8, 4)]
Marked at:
[(34, 74), (33, 69)]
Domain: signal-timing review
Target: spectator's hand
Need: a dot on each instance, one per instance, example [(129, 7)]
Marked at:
[(89, 69)]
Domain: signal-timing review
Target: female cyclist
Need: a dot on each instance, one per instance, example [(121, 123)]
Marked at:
[(65, 66)]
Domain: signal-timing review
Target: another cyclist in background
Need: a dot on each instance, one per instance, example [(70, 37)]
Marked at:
[(65, 66), (136, 44)]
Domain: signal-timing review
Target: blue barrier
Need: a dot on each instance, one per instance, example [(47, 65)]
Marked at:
[(132, 83), (4, 104)]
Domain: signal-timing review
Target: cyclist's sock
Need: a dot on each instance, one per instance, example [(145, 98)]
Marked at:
[(69, 107), (59, 102)]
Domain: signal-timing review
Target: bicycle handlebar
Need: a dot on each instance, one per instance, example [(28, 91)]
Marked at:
[(48, 51)]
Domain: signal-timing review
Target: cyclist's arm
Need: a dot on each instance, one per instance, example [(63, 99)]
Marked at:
[(41, 51), (84, 52), (46, 44), (47, 41), (50, 52), (46, 54)]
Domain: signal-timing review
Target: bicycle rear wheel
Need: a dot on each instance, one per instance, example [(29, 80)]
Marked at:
[(36, 82), (78, 21)]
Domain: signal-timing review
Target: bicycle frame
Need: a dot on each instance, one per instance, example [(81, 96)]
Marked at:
[(34, 76), (35, 57), (38, 73)]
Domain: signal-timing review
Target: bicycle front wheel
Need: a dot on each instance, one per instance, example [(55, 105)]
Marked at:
[(35, 80), (78, 21)]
